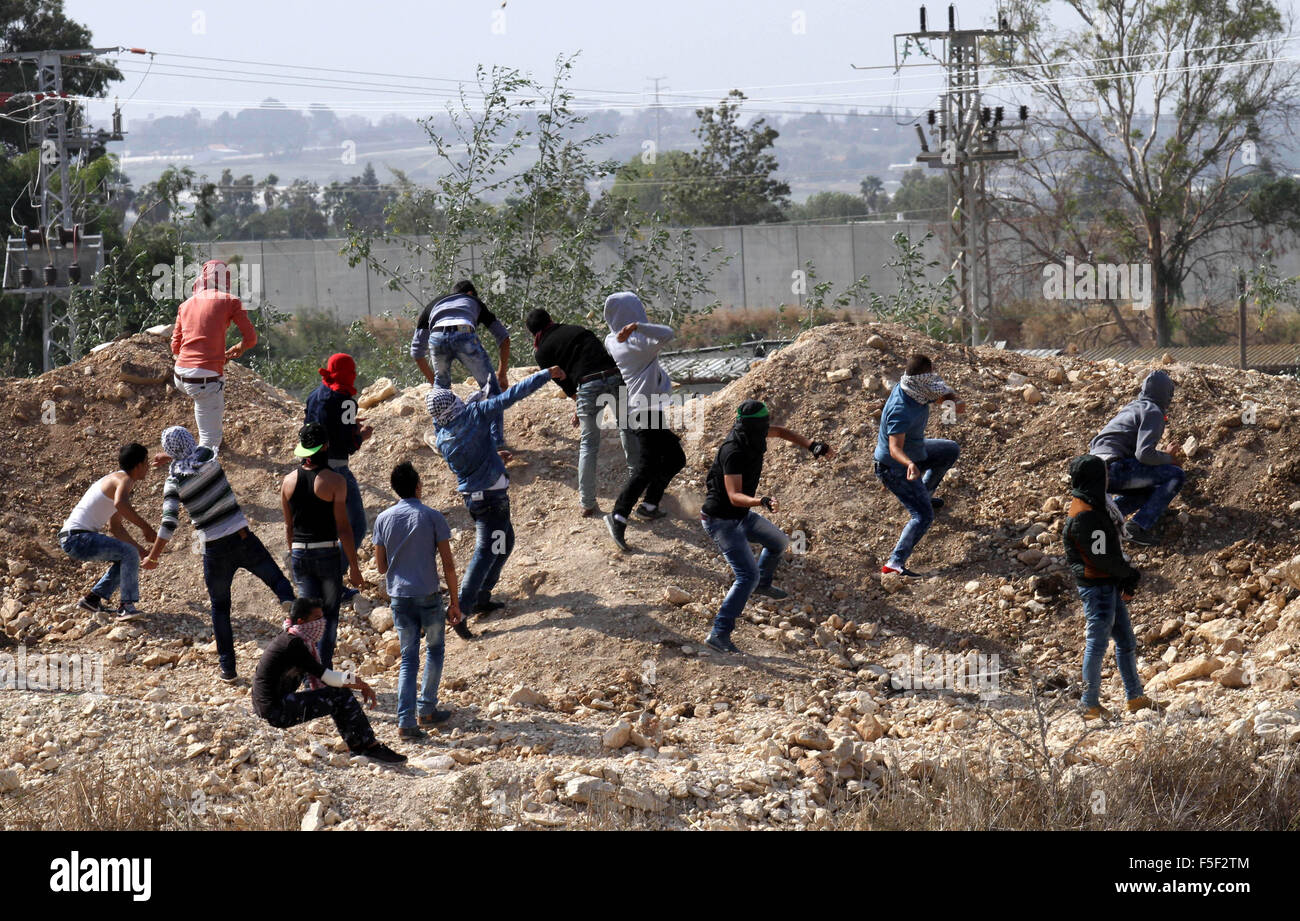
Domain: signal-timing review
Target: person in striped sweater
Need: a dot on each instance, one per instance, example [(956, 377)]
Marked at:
[(195, 480)]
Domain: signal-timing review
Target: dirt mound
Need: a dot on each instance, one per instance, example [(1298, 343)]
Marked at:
[(589, 700)]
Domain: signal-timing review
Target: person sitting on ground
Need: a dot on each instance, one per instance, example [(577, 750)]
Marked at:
[(406, 536), (313, 500), (1106, 582), (292, 656), (464, 439), (105, 505), (1145, 477), (729, 518), (591, 380), (334, 405), (448, 328), (654, 452), (910, 465), (197, 481)]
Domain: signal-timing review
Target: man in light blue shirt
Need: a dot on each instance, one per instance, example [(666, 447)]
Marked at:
[(405, 538)]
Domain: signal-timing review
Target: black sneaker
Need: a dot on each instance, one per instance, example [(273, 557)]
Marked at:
[(381, 752), (936, 503), (463, 631), (650, 514), (721, 643), (92, 603), (487, 607), (411, 732), (229, 677), (1139, 535), (771, 591), (616, 530), (435, 718)]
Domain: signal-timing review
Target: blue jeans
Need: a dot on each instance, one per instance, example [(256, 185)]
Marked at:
[(1107, 617), (356, 513), (413, 617), (589, 407), (494, 539), (124, 557), (224, 557), (733, 537), (466, 347), (915, 495), (317, 574), (1147, 489)]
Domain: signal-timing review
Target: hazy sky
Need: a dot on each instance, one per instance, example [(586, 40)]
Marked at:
[(701, 47)]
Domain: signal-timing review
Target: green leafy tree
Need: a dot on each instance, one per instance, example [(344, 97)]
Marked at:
[(923, 194), (730, 178)]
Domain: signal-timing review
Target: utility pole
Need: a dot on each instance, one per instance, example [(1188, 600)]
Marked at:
[(658, 109), (968, 135), (50, 111)]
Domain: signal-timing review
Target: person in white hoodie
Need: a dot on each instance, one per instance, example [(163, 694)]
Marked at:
[(654, 452)]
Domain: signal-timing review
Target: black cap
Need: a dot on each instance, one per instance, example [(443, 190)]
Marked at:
[(311, 438)]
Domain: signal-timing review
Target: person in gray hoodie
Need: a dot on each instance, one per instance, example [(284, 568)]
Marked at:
[(1144, 477), (654, 452)]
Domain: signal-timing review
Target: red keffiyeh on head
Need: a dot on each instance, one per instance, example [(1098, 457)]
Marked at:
[(340, 373)]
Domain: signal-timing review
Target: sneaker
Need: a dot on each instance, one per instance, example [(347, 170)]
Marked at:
[(616, 530), (891, 570), (463, 631), (721, 643), (349, 594), (771, 591), (936, 503), (1138, 535), (129, 611), (92, 603), (1145, 703), (411, 732), (229, 677), (487, 607), (381, 752), (435, 718), (650, 514), (1097, 712), (593, 512)]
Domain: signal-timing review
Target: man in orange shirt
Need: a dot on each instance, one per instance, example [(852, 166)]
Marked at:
[(199, 344)]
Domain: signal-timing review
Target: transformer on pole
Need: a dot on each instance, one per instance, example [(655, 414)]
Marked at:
[(968, 135)]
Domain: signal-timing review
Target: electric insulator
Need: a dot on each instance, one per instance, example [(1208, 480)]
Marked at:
[(997, 115), (24, 276), (51, 276), (1024, 113), (923, 17), (930, 117), (985, 114), (74, 274)]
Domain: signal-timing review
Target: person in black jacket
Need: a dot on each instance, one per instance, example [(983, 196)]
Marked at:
[(1106, 582), (591, 380)]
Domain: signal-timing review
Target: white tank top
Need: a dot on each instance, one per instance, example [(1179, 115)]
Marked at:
[(93, 512)]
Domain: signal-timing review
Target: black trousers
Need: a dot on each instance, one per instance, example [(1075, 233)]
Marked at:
[(655, 455), (340, 703)]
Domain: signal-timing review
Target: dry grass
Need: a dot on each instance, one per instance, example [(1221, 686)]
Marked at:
[(1172, 784)]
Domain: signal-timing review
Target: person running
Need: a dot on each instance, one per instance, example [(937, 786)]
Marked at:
[(334, 405), (654, 452), (730, 519), (447, 327), (313, 500), (464, 439), (105, 505), (196, 480), (1106, 582), (910, 465), (199, 344), (292, 656), (406, 537), (1145, 477), (591, 380)]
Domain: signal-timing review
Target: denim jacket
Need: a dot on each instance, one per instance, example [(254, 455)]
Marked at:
[(466, 442)]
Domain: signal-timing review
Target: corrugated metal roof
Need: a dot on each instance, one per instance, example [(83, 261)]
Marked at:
[(1286, 355), (719, 364), (1038, 353)]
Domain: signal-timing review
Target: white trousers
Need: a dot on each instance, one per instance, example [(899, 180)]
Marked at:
[(209, 408)]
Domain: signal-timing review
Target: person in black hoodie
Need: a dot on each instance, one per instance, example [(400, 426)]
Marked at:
[(1106, 582), (591, 380), (729, 518)]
